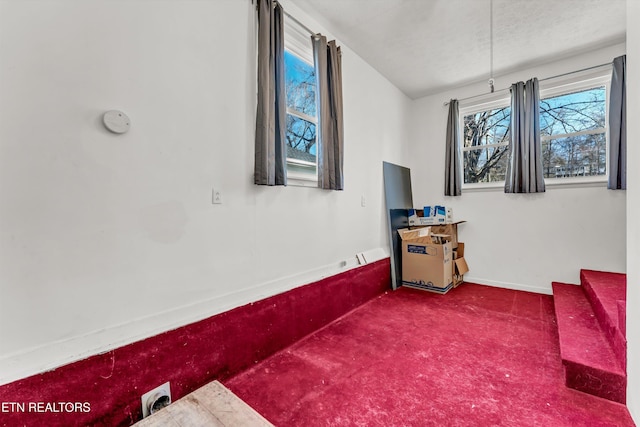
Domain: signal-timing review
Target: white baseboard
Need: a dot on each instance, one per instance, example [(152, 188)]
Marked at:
[(52, 355), (508, 285)]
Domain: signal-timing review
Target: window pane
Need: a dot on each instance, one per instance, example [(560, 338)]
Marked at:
[(486, 164), (300, 84), (487, 127), (573, 112), (301, 139), (584, 155)]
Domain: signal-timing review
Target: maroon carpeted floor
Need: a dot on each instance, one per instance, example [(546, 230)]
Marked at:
[(591, 364), (477, 356)]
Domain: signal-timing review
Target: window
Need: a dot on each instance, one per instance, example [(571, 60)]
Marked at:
[(300, 84), (486, 144), (573, 128), (574, 134)]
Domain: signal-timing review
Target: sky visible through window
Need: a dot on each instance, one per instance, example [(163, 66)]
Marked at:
[(573, 133), (301, 98), (573, 112)]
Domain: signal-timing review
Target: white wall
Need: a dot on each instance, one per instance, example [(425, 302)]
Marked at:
[(633, 211), (521, 241), (105, 239)]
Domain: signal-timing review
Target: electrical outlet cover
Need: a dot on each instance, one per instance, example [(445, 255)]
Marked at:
[(149, 397), (216, 198)]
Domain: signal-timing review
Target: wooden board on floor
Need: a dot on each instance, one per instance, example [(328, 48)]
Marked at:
[(212, 405)]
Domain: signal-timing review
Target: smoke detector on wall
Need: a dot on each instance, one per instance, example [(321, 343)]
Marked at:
[(116, 121)]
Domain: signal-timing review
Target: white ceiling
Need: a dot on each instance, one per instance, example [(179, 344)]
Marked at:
[(426, 46)]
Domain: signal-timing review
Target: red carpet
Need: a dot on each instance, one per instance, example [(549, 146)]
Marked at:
[(592, 342), (478, 356), (607, 293), (217, 347)]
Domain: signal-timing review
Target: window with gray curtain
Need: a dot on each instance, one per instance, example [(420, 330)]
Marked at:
[(270, 150), (524, 170), (573, 133), (453, 168), (618, 126), (330, 132)]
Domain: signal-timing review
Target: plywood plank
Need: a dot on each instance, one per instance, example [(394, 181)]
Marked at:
[(189, 412), (228, 407), (160, 418), (212, 405)]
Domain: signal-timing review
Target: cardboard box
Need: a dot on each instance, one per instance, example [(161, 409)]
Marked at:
[(417, 218), (439, 212), (431, 215), (460, 266), (425, 264), (450, 229)]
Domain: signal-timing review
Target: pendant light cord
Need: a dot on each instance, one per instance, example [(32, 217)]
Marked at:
[(491, 80)]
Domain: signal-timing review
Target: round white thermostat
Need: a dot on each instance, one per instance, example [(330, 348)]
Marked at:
[(116, 121)]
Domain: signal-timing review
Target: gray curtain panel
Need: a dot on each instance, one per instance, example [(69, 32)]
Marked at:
[(618, 126), (524, 171), (453, 166), (330, 130), (270, 150)]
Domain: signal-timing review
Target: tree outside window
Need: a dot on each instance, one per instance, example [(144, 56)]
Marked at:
[(573, 136), (486, 144), (300, 83)]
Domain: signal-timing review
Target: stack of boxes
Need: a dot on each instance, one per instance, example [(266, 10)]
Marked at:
[(432, 256)]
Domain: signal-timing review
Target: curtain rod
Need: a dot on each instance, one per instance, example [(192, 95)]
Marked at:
[(313, 33), (542, 80)]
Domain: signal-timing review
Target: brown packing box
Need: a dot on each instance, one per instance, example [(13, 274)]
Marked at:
[(450, 229), (425, 264), (460, 266)]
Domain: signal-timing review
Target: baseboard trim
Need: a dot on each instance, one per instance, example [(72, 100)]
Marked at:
[(509, 285), (55, 354)]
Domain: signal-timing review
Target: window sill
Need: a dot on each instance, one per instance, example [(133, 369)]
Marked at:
[(599, 181), (483, 186), (298, 181), (550, 183)]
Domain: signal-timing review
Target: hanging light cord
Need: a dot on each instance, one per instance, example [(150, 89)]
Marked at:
[(491, 80)]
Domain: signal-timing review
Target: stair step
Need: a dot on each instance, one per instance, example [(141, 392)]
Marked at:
[(605, 291), (589, 361), (622, 317)]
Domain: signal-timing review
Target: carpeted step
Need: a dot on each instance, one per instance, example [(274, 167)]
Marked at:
[(604, 291), (622, 317), (589, 361)]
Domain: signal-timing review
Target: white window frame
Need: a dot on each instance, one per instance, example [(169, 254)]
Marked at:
[(297, 41), (561, 85), (490, 102), (575, 84)]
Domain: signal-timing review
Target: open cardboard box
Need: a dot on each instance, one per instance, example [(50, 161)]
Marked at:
[(432, 261), (427, 260), (460, 266), (450, 229)]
